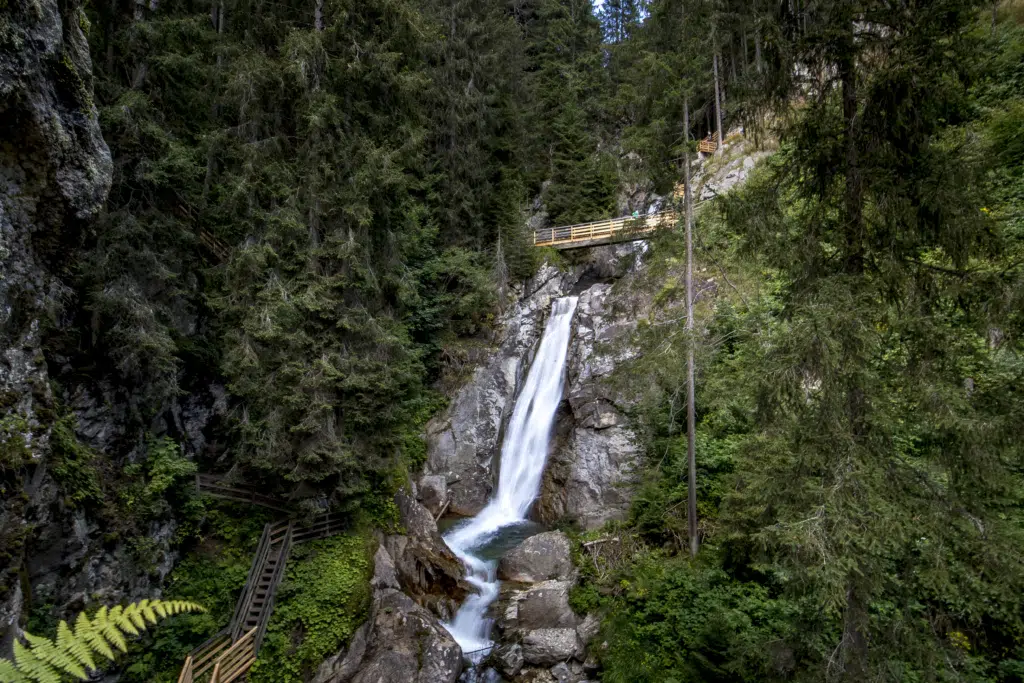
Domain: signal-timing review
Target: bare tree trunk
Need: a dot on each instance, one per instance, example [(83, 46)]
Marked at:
[(691, 503), (318, 16), (718, 105), (995, 16), (757, 50)]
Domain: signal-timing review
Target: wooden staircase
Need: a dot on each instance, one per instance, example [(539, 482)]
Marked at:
[(229, 654)]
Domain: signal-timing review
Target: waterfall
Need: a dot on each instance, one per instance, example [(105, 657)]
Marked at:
[(523, 455)]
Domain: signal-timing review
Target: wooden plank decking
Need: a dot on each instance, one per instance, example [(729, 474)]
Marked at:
[(608, 231)]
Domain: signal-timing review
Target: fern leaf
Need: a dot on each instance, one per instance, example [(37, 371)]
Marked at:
[(134, 615), (147, 611), (10, 674), (33, 667), (47, 651), (86, 632), (77, 649), (111, 623), (45, 661)]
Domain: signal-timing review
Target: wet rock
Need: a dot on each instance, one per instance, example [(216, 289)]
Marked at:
[(55, 171), (425, 568), (533, 675), (548, 646), (401, 641), (538, 558), (507, 659)]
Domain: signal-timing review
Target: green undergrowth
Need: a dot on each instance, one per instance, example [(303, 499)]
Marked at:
[(212, 574), (324, 598)]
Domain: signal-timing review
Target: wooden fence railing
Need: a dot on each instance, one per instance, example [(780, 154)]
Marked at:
[(708, 145), (219, 487), (603, 231)]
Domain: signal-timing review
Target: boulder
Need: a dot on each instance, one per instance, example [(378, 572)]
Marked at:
[(545, 605), (401, 641), (585, 632), (507, 659), (538, 558), (563, 674), (548, 646), (425, 568), (433, 493)]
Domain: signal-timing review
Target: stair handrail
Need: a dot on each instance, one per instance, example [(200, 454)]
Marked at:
[(255, 569), (235, 662), (275, 581)]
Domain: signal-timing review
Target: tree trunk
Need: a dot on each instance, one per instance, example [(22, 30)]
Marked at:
[(318, 16), (691, 503), (995, 16), (854, 193), (718, 105), (757, 50)]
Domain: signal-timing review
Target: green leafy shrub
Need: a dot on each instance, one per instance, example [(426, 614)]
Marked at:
[(74, 465), (320, 604)]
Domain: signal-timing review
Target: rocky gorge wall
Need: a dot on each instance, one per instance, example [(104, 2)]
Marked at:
[(589, 471), (55, 173)]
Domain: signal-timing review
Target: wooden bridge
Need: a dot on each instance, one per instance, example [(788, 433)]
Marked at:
[(229, 654), (608, 231)]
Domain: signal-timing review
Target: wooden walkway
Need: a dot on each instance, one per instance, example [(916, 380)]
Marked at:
[(228, 655), (608, 231)]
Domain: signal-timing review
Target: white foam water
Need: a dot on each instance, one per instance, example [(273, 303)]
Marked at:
[(523, 455)]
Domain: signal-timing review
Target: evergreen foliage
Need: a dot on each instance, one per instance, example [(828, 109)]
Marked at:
[(859, 468), (73, 653)]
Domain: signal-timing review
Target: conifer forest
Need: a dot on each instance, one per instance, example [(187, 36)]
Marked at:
[(512, 341)]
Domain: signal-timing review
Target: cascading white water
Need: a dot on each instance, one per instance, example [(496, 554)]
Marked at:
[(523, 455)]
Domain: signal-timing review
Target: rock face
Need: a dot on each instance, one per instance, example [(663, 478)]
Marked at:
[(55, 171), (463, 443), (589, 476), (425, 567), (538, 558), (401, 641)]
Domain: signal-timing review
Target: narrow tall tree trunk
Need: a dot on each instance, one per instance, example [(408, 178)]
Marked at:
[(318, 16), (718, 105), (995, 16), (691, 420), (757, 50), (854, 192)]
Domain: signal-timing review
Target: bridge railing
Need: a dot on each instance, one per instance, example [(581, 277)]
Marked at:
[(608, 229)]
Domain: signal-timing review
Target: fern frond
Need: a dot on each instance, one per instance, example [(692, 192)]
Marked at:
[(10, 674), (75, 648), (111, 623), (33, 667), (86, 632), (42, 660), (47, 651)]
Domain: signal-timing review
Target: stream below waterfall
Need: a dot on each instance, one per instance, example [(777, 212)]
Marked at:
[(523, 456)]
